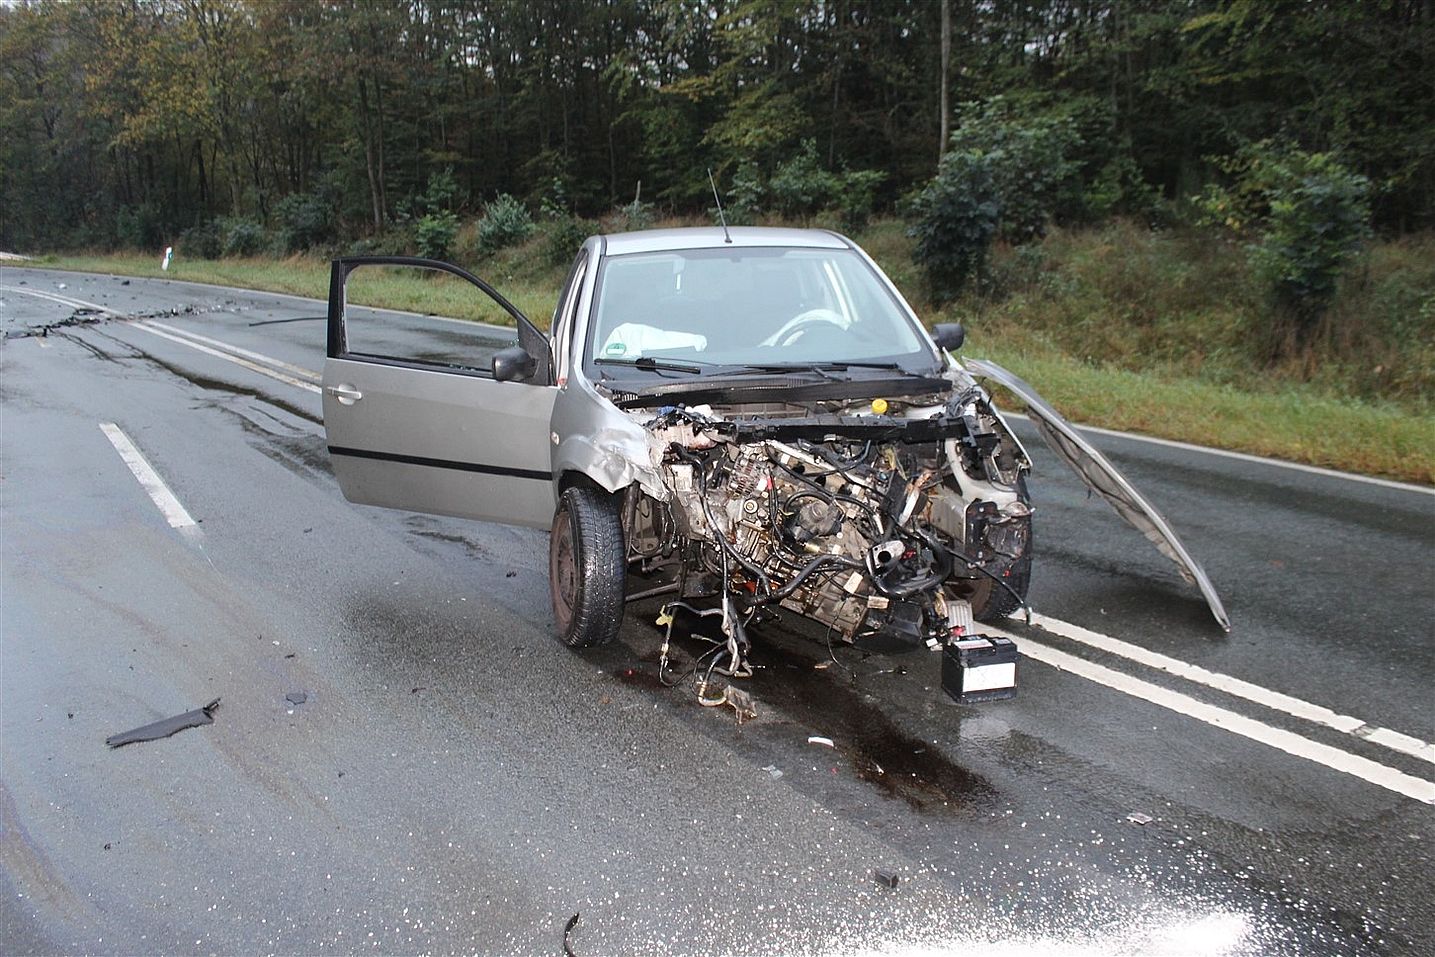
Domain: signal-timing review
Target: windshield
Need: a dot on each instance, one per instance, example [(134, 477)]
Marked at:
[(750, 306)]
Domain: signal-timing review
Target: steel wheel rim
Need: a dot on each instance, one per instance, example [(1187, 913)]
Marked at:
[(564, 568)]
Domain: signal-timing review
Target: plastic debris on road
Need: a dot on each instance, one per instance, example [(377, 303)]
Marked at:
[(163, 729), (819, 739)]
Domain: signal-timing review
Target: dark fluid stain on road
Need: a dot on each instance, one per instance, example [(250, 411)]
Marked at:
[(788, 686), (469, 545), (305, 456), (218, 385), (640, 678), (882, 754)]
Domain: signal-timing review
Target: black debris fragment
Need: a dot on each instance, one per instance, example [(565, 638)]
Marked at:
[(107, 846), (567, 932), (290, 655), (296, 697), (886, 878), (163, 729), (510, 574)]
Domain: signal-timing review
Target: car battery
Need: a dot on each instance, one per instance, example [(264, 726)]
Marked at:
[(979, 668)]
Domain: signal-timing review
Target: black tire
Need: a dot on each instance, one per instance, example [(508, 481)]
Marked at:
[(992, 602), (586, 567)]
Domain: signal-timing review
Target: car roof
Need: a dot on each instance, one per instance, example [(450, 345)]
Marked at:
[(662, 240)]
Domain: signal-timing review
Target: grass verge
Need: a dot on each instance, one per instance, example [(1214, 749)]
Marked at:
[(1295, 422)]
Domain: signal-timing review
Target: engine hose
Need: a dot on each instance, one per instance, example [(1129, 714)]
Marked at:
[(722, 541), (824, 493), (802, 576), (942, 570)]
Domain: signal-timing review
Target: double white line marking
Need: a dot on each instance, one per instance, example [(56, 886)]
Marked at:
[(1288, 741), (289, 374)]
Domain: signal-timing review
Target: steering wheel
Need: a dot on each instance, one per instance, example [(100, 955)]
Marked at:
[(801, 323)]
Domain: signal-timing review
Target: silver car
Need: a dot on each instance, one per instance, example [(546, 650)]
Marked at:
[(745, 420)]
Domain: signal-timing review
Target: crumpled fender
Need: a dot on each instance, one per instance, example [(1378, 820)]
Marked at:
[(614, 458)]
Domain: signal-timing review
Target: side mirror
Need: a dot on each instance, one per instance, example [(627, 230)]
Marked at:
[(513, 364), (949, 335)]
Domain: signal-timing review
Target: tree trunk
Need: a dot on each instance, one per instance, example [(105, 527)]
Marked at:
[(366, 129), (946, 68)]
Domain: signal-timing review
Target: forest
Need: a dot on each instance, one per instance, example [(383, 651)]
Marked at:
[(1169, 213), (126, 122)]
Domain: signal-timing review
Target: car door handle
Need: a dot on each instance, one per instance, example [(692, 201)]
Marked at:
[(346, 394)]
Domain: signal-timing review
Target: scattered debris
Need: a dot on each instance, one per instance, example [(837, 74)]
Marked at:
[(567, 932), (819, 739), (1136, 817), (510, 574), (107, 845), (290, 655), (886, 878), (740, 701), (296, 697), (773, 772), (163, 729), (417, 690)]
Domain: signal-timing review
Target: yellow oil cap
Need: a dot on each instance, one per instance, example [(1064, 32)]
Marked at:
[(879, 406)]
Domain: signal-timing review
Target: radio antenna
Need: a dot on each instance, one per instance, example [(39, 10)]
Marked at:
[(722, 217)]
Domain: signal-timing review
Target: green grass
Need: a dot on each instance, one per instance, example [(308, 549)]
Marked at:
[(1118, 327)]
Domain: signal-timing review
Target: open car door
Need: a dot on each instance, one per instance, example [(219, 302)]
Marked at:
[(1103, 479), (437, 412)]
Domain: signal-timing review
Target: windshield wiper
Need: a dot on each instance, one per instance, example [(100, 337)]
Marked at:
[(821, 368), (651, 364)]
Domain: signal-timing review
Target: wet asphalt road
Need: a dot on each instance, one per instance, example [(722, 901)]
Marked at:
[(457, 781)]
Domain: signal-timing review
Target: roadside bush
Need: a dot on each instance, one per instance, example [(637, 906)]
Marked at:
[(956, 217), (205, 241), (743, 201), (562, 237), (505, 223), (1311, 216), (802, 187), (634, 216), (434, 234), (1030, 161), (857, 195), (305, 220), (243, 237), (138, 227)]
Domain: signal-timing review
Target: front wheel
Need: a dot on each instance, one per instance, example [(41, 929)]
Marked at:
[(586, 568)]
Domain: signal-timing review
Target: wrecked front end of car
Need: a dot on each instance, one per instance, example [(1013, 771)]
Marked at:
[(892, 523)]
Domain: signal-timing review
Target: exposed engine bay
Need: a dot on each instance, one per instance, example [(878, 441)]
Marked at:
[(892, 524)]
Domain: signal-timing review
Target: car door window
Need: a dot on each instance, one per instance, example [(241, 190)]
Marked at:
[(409, 314)]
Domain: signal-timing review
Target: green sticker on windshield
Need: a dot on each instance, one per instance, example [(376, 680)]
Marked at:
[(615, 349)]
